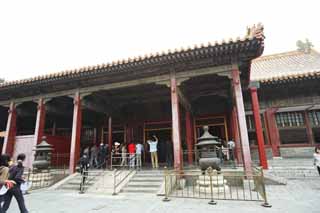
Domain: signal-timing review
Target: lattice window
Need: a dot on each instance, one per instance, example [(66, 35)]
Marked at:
[(290, 119), (251, 124), (314, 117)]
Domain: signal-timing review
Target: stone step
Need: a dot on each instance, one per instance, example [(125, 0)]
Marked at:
[(78, 183), (69, 187), (139, 190), (132, 185), (151, 172), (146, 180), (149, 175)]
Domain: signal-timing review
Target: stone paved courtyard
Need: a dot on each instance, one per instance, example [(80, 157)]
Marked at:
[(298, 196)]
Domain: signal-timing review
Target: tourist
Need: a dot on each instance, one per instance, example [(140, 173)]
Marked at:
[(102, 155), (84, 166), (316, 157), (86, 151), (153, 151), (16, 174), (132, 153), (139, 149), (94, 156), (124, 155), (4, 175), (231, 146), (231, 149), (116, 157)]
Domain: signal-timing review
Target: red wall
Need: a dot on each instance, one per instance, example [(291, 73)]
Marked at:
[(61, 152)]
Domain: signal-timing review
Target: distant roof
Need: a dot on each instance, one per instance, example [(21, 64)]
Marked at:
[(286, 66)]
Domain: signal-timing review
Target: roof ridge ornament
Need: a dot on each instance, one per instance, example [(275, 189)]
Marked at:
[(304, 47), (256, 31)]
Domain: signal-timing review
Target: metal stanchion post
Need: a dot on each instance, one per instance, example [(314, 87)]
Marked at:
[(265, 204), (114, 182), (211, 202), (166, 193)]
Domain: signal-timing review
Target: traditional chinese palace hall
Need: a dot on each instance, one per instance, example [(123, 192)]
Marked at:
[(171, 94)]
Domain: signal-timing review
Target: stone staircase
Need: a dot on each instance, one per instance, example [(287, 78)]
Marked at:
[(145, 182), (292, 168), (73, 184)]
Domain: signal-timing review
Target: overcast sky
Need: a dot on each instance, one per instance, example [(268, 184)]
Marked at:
[(39, 37)]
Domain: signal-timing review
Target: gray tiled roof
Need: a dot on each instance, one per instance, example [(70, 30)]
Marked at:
[(283, 66)]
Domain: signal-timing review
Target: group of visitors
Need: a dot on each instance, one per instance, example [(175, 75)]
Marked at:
[(131, 155), (11, 179), (96, 156)]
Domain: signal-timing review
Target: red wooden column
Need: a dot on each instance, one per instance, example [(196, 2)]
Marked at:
[(76, 133), (236, 135), (11, 131), (258, 126), (241, 120), (309, 128), (273, 131), (40, 122), (189, 136), (176, 138), (110, 135)]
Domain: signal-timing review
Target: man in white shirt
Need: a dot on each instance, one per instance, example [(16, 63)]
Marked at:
[(153, 151), (139, 149), (231, 147)]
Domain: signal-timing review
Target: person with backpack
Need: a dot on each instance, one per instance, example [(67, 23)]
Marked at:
[(16, 175), (5, 184), (84, 167)]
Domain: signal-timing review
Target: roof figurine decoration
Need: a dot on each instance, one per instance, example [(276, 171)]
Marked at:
[(284, 66), (252, 44)]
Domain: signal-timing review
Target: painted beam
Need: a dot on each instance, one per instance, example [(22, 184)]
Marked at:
[(258, 127), (40, 122), (11, 131), (124, 84), (176, 137), (76, 133), (241, 120)]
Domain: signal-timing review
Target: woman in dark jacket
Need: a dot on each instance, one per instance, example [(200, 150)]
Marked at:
[(16, 174), (4, 174)]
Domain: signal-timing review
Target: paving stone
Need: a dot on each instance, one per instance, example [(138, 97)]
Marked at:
[(295, 197)]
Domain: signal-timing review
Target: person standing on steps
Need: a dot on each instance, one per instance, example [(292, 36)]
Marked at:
[(84, 167), (139, 149), (94, 156), (132, 153), (316, 157), (231, 149), (153, 151), (124, 156)]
